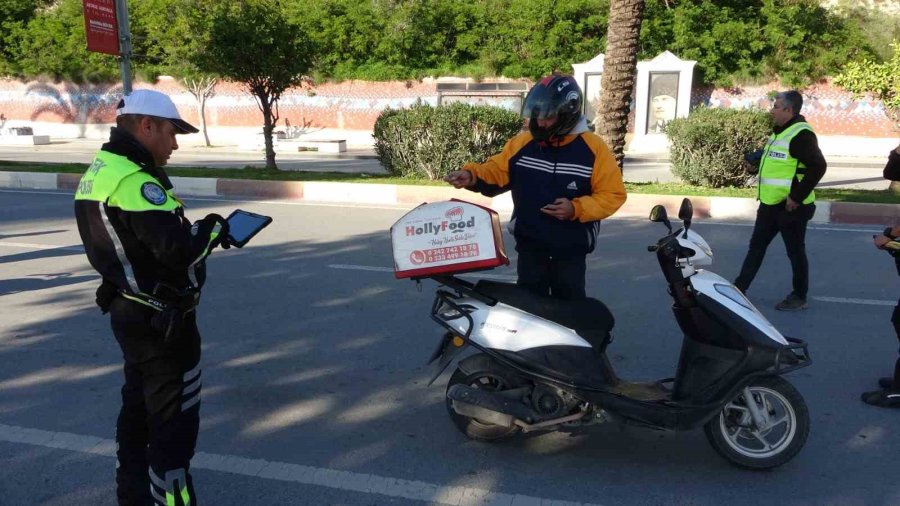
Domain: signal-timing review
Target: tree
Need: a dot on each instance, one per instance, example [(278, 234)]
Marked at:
[(619, 68), (880, 80), (252, 42), (160, 27)]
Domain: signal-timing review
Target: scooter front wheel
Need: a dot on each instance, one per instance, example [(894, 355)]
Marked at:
[(782, 433), (483, 373)]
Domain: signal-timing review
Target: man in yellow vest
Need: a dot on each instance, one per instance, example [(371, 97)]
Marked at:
[(790, 167), (152, 261)]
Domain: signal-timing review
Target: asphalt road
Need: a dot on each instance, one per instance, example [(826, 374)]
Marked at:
[(314, 376), (862, 173)]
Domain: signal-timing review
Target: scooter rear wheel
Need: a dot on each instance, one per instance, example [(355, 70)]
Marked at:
[(484, 373), (734, 436)]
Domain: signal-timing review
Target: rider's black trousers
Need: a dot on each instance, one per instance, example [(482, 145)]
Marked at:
[(895, 319), (157, 427), (561, 277), (770, 221)]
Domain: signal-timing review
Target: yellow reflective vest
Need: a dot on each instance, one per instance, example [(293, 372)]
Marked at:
[(778, 168)]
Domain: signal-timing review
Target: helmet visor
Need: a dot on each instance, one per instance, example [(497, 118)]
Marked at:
[(539, 104)]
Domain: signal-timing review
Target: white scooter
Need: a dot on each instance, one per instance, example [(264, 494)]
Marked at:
[(541, 364)]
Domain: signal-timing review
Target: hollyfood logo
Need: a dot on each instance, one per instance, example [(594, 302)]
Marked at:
[(455, 222)]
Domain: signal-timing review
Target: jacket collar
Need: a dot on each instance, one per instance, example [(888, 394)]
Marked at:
[(123, 143), (796, 119)]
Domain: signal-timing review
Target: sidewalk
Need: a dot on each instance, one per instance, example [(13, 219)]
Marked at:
[(362, 160)]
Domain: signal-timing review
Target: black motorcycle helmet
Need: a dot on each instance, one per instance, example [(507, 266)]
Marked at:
[(557, 97)]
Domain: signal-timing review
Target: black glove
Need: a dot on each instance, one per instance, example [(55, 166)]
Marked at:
[(206, 226)]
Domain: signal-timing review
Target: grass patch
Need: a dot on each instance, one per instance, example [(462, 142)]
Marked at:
[(832, 194)]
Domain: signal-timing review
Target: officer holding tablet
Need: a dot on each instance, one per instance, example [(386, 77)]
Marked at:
[(152, 261)]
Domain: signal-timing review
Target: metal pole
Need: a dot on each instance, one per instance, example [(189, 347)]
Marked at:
[(124, 44)]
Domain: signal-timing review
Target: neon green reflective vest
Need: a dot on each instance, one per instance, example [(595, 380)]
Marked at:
[(119, 182), (778, 168)]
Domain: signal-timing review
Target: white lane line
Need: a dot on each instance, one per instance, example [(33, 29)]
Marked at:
[(867, 302), (28, 245), (373, 268), (294, 473)]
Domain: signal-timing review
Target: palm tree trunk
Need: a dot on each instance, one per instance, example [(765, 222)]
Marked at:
[(619, 69)]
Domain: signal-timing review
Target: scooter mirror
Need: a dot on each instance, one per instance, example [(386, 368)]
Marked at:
[(686, 212), (658, 215)]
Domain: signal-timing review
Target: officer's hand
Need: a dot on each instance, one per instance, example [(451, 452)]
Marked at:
[(217, 226), (881, 240), (749, 168), (561, 209), (791, 205), (460, 178)]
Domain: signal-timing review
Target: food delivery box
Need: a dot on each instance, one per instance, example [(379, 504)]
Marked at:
[(447, 238)]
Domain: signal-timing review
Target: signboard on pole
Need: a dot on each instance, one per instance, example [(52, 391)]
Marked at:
[(101, 26)]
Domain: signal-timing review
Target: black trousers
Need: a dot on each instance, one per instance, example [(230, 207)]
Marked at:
[(770, 221), (160, 417), (895, 319), (561, 277)]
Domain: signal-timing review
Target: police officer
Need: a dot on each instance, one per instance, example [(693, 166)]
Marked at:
[(791, 165), (152, 261)]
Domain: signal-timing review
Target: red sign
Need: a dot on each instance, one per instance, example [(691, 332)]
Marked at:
[(101, 26)]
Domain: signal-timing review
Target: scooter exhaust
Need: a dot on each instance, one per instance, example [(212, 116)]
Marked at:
[(488, 407)]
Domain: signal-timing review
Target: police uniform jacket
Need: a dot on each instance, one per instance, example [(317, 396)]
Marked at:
[(132, 225)]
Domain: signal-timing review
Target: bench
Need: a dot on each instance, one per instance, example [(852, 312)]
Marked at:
[(322, 146)]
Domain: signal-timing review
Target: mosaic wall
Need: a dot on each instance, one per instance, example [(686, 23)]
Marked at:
[(356, 105)]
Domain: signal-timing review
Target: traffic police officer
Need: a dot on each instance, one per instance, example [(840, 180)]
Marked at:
[(790, 167), (152, 261)]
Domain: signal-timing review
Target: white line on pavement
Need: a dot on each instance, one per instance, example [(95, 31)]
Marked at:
[(28, 245), (839, 300), (283, 471), (867, 302), (372, 268)]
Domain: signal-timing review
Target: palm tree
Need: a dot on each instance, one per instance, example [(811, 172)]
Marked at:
[(619, 68)]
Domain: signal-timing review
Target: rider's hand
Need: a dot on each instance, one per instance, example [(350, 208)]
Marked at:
[(561, 209), (460, 178)]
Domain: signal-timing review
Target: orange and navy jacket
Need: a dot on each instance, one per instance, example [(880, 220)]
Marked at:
[(578, 167)]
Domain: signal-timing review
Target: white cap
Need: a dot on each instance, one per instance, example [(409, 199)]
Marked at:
[(154, 103)]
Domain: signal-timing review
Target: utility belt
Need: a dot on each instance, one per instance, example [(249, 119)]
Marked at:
[(170, 304)]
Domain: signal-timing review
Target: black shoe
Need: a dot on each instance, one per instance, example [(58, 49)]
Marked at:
[(887, 398), (886, 382), (792, 302)]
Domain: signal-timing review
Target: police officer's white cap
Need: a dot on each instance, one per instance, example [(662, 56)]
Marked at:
[(154, 103)]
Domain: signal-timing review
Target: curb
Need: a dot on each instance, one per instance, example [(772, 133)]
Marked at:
[(637, 205)]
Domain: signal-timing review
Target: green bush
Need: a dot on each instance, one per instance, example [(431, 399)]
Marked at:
[(708, 147), (426, 141)]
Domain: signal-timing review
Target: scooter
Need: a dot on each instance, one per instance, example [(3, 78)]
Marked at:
[(528, 363)]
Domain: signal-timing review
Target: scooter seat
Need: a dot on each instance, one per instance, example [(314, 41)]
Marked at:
[(590, 318)]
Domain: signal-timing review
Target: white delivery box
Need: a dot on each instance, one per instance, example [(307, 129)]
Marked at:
[(447, 238)]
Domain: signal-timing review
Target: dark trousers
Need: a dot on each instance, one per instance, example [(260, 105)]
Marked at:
[(770, 221), (157, 427), (895, 319), (561, 277)]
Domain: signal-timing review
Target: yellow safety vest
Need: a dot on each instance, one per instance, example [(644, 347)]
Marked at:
[(778, 168)]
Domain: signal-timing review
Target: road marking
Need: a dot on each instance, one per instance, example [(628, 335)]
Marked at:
[(373, 268), (294, 473), (28, 245), (866, 302)]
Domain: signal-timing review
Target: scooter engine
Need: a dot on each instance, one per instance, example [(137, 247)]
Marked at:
[(551, 402)]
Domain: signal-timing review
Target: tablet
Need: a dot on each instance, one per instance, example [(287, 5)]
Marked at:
[(243, 225)]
